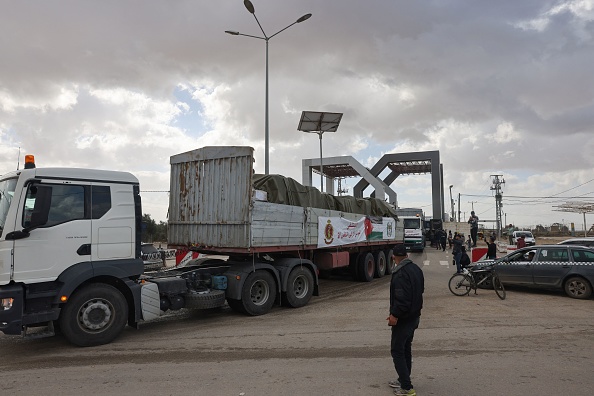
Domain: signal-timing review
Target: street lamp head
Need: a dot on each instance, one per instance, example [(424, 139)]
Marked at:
[(250, 7), (234, 33), (451, 186), (303, 18)]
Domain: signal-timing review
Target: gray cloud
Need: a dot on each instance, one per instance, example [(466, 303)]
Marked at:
[(495, 86)]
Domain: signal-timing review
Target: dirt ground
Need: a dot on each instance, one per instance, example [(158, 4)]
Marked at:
[(532, 343)]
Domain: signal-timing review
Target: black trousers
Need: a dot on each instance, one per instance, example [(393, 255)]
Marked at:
[(401, 349)]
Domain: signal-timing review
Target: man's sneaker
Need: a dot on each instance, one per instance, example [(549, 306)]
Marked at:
[(404, 392), (394, 384)]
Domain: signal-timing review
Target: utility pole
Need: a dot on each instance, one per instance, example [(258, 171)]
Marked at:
[(472, 203), (497, 182), (459, 212)]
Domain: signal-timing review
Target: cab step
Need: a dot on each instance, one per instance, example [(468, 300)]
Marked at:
[(33, 333)]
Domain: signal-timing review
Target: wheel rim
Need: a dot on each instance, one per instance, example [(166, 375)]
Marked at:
[(300, 286), (576, 288), (381, 266), (370, 267), (260, 292), (95, 315), (459, 285)]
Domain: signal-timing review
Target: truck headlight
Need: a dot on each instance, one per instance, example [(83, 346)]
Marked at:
[(7, 303)]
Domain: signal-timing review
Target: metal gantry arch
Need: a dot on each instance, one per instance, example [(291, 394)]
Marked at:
[(420, 162)]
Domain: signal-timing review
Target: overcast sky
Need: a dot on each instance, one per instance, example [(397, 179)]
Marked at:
[(498, 87)]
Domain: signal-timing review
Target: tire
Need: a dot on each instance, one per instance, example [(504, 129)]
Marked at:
[(300, 285), (258, 293), (460, 284), (390, 264), (213, 299), (380, 263), (366, 267), (577, 287), (498, 286), (95, 315)]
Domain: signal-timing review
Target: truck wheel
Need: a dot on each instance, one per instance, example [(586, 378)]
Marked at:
[(366, 267), (391, 265), (95, 315), (300, 285), (258, 293), (212, 299), (380, 263), (354, 259)]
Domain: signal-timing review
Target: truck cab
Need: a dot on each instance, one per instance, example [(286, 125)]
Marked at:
[(62, 229), (413, 222)]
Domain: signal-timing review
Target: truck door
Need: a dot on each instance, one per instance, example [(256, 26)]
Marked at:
[(54, 214), (7, 189)]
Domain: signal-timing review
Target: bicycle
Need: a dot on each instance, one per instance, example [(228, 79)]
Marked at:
[(461, 283)]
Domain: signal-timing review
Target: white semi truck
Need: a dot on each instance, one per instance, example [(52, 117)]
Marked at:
[(70, 240), (414, 232)]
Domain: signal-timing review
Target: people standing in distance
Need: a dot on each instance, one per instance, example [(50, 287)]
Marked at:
[(458, 242), (491, 248), (521, 242), (473, 221), (406, 301), (464, 258), (443, 239), (510, 233)]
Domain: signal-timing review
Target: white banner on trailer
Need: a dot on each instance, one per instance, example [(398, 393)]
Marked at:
[(337, 231)]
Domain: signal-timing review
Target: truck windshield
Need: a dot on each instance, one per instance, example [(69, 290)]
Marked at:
[(412, 223), (7, 187)]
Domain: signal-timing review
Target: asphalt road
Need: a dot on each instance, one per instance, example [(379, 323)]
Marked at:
[(532, 343)]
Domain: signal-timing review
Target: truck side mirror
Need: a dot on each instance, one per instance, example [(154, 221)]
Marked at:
[(17, 235)]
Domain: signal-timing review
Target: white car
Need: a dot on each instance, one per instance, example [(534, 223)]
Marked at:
[(585, 241), (528, 237)]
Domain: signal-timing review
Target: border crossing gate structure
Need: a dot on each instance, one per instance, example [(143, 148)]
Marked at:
[(420, 162)]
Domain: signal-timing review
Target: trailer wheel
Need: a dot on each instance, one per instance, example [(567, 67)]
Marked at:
[(354, 259), (366, 267), (380, 263), (391, 265), (258, 293), (212, 299), (300, 285), (95, 315)]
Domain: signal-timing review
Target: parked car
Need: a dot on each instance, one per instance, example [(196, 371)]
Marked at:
[(585, 241), (528, 237), (566, 267), (151, 256)]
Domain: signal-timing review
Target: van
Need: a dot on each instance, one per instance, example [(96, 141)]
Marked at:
[(528, 237)]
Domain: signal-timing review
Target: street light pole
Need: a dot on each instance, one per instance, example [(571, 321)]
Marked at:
[(452, 202), (250, 7)]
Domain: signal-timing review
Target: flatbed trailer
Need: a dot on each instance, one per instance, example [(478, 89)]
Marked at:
[(92, 283)]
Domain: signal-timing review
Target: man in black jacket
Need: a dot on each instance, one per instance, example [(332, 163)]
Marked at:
[(406, 301)]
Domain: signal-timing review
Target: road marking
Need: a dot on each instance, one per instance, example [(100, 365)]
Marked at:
[(445, 263)]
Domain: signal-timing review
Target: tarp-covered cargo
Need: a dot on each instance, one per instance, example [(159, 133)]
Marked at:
[(285, 190)]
